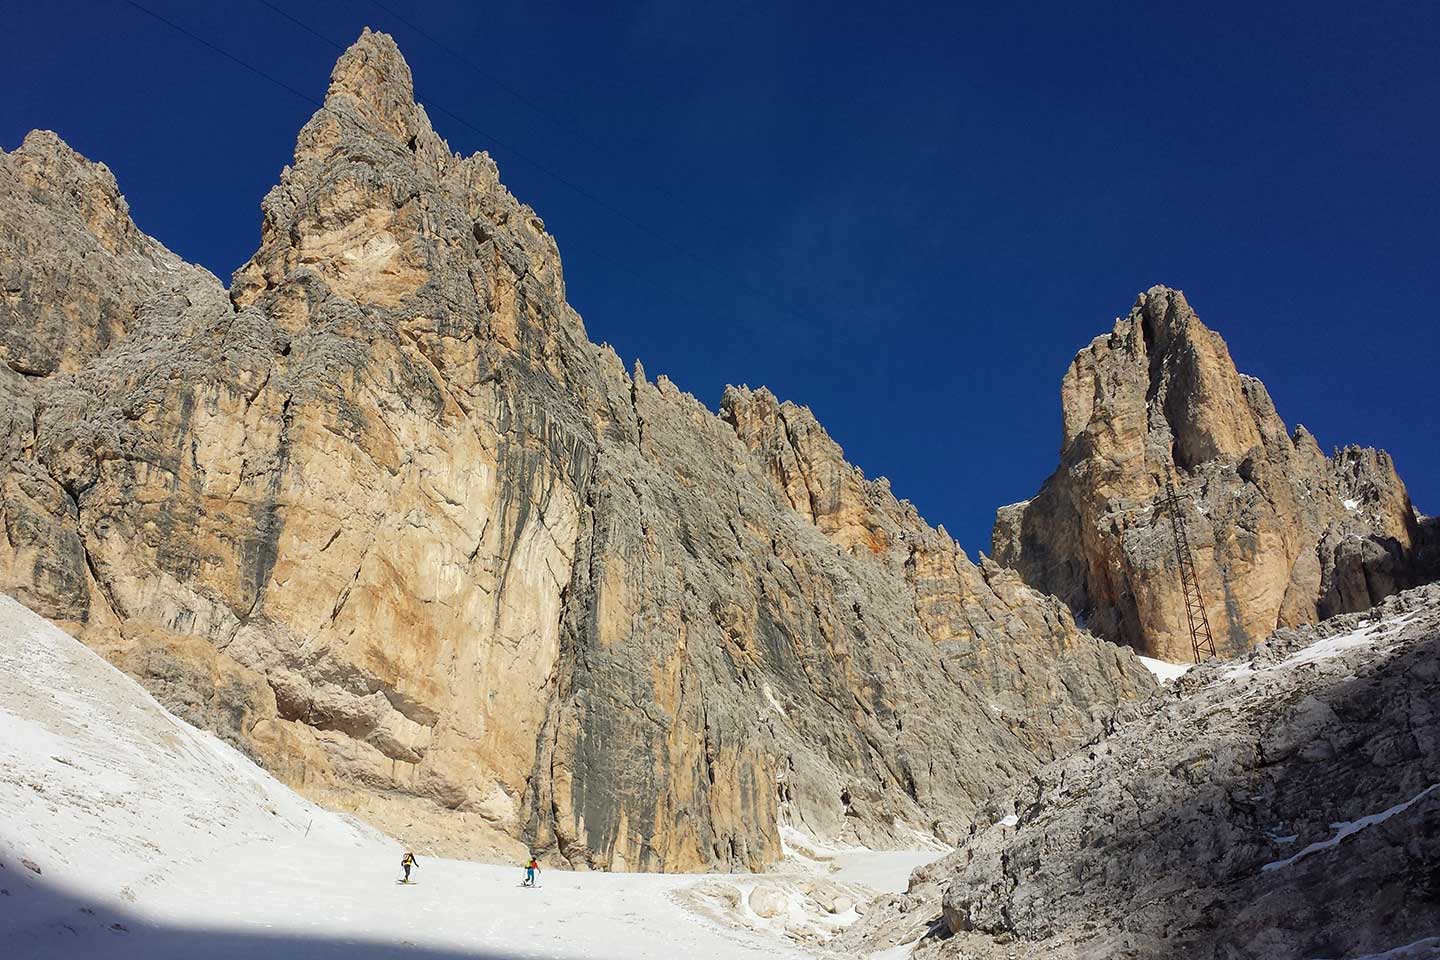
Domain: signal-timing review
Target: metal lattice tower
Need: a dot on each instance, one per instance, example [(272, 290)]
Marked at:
[(1201, 641)]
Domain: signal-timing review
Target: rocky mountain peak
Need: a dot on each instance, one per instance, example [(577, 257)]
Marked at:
[(52, 172), (1161, 386), (75, 271), (1368, 484), (371, 97), (810, 467), (379, 212), (1277, 539), (374, 73), (385, 518)]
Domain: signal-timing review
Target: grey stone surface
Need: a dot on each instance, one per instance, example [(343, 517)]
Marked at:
[(1282, 806)]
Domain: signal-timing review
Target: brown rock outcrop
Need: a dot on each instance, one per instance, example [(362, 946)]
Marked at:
[(1282, 535), (384, 517)]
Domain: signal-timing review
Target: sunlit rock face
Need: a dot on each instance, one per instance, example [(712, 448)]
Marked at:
[(384, 517), (1281, 534)]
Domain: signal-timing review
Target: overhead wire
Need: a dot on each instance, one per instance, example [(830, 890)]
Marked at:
[(318, 103), (224, 53), (575, 129), (768, 297)]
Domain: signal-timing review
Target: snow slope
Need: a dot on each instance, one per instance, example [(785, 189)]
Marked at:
[(1164, 670), (152, 839)]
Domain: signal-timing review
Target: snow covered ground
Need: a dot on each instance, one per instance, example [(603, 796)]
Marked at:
[(1164, 670), (1367, 634), (125, 833)]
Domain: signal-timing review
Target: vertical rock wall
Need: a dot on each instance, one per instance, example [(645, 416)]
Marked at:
[(383, 516), (1282, 535)]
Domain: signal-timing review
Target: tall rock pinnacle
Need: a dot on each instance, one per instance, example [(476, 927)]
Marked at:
[(385, 518), (1281, 534)]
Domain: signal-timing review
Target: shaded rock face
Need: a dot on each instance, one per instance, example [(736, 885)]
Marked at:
[(1281, 534), (1287, 806), (384, 517), (983, 619)]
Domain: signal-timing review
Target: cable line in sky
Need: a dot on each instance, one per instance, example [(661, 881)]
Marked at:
[(769, 298)]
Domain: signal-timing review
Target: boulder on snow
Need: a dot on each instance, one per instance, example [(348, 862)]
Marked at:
[(768, 900), (829, 896)]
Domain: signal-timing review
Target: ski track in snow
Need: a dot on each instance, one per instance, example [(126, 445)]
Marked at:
[(157, 840)]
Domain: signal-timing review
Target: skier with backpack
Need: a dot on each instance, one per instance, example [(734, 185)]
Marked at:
[(532, 870), (406, 862)]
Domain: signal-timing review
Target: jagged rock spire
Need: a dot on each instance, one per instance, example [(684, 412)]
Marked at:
[(410, 538), (68, 293), (371, 96), (379, 210), (1278, 541)]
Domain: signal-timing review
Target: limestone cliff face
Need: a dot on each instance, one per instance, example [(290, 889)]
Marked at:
[(75, 275), (74, 269), (982, 618), (1282, 535), (382, 515)]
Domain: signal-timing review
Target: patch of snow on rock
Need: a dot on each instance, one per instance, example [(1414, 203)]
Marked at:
[(1349, 828), (1427, 949), (1163, 670), (1365, 636)]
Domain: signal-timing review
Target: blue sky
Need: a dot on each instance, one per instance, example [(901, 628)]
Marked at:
[(907, 216)]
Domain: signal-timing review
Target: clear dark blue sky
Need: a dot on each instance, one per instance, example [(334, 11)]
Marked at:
[(907, 216)]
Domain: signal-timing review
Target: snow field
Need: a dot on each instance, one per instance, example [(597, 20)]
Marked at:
[(126, 833)]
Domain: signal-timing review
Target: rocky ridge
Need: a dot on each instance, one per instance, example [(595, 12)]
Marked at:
[(1281, 534), (973, 612), (75, 271), (1283, 806), (381, 515)]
